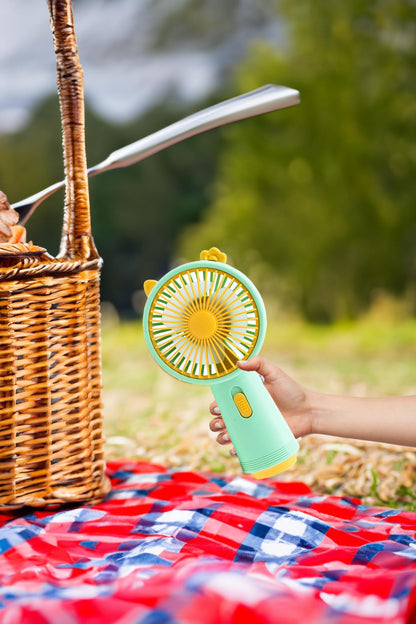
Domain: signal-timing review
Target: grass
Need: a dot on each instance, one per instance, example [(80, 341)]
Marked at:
[(150, 415)]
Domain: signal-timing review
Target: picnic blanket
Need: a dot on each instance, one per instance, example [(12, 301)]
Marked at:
[(170, 547)]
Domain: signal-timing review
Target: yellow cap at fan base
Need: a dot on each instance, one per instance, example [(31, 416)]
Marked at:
[(274, 470)]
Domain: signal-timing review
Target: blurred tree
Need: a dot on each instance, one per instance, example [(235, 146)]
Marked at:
[(323, 195), (137, 212), (140, 211)]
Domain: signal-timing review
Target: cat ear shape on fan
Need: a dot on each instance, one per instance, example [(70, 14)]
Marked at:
[(148, 286)]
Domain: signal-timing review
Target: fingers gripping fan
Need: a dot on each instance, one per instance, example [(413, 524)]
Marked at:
[(199, 320)]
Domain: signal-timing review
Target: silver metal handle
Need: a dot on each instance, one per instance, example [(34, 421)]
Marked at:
[(264, 100)]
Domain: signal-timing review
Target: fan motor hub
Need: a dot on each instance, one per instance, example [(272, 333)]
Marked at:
[(202, 324)]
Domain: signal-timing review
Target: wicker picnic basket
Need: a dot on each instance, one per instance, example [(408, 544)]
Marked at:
[(51, 431)]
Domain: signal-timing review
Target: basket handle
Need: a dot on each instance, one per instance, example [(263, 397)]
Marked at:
[(76, 241)]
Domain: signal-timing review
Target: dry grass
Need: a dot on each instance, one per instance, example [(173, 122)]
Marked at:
[(150, 415)]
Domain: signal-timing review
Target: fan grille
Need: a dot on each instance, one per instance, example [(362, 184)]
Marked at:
[(202, 321)]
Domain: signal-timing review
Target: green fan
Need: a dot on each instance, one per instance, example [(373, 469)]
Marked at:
[(199, 320)]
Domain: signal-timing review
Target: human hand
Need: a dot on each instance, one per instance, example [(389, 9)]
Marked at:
[(290, 397)]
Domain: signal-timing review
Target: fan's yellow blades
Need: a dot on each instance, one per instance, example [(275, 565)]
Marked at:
[(202, 321)]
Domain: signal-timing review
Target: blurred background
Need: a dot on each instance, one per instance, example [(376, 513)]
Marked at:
[(316, 203)]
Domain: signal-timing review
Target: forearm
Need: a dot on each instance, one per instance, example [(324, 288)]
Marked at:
[(391, 419)]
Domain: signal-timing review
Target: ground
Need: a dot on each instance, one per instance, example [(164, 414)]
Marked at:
[(152, 416)]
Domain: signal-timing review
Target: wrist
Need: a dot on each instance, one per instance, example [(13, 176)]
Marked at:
[(318, 412)]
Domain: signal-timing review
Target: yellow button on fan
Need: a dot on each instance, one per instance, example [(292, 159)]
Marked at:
[(243, 405)]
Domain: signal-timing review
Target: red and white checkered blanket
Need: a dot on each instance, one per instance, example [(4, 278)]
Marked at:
[(170, 547)]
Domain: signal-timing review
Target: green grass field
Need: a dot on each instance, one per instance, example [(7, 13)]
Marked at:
[(152, 416)]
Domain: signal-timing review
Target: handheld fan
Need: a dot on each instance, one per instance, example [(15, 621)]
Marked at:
[(199, 320)]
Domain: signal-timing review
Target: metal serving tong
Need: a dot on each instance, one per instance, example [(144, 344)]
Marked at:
[(264, 100)]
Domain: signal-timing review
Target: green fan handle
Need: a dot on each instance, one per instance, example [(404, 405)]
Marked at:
[(261, 437)]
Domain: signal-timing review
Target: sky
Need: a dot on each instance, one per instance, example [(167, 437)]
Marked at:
[(124, 72)]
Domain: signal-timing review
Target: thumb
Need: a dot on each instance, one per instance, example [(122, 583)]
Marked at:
[(261, 366)]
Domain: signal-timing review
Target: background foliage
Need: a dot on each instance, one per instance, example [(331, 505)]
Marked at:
[(137, 212), (323, 195), (316, 203)]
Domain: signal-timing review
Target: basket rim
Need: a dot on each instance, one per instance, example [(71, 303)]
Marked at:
[(20, 249), (47, 266)]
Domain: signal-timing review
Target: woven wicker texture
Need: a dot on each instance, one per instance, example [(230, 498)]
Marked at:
[(51, 433)]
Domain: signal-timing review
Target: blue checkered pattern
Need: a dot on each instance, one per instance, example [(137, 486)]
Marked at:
[(185, 547)]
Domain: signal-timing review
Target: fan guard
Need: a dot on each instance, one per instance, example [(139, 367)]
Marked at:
[(202, 321)]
